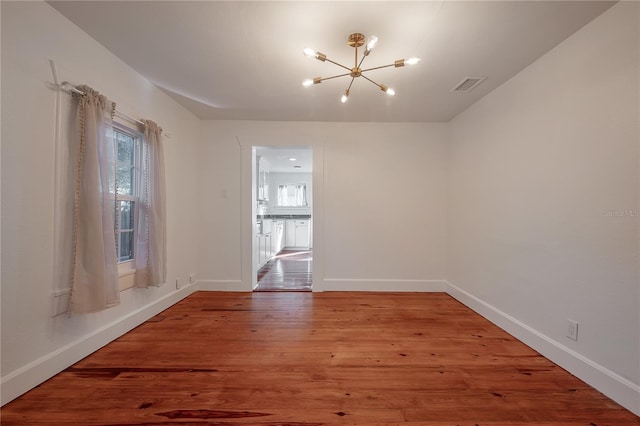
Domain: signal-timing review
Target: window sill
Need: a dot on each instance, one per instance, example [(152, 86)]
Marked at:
[(126, 271), (126, 268)]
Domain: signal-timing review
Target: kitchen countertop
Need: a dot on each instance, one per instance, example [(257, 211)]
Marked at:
[(283, 216)]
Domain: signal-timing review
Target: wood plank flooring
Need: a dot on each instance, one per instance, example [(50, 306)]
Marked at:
[(313, 359), (290, 270)]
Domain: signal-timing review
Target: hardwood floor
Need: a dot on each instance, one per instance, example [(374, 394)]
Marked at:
[(290, 270), (312, 359)]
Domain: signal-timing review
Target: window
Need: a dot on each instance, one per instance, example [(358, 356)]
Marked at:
[(292, 195), (127, 143)]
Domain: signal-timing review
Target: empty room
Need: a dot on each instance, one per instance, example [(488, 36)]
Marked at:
[(333, 212)]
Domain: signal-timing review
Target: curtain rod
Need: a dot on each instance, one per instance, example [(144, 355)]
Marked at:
[(66, 86)]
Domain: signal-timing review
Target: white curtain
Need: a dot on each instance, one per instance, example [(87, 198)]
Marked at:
[(94, 278), (283, 196), (151, 246), (301, 195)]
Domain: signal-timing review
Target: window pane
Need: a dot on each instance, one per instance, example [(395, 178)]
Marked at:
[(126, 246), (125, 148), (124, 186), (124, 179), (126, 214)]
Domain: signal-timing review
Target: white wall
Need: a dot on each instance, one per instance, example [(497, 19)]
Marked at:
[(381, 211), (35, 345), (544, 198)]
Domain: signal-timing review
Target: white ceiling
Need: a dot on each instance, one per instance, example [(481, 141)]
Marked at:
[(279, 159), (243, 59)]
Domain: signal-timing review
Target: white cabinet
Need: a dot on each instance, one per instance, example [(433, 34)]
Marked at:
[(277, 236), (290, 233), (267, 248), (298, 233), (269, 240), (259, 250), (302, 233), (263, 179), (274, 238), (264, 249), (280, 235)]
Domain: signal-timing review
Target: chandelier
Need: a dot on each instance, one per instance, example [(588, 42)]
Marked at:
[(356, 40)]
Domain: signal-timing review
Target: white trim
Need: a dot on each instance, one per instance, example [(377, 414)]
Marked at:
[(222, 285), (248, 211), (614, 386), (31, 375), (386, 285)]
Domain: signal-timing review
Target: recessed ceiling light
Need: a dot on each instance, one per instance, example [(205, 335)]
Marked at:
[(292, 159)]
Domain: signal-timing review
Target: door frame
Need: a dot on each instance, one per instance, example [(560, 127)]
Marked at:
[(248, 213)]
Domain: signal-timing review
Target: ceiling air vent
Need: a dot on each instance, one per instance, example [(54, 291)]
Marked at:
[(468, 84)]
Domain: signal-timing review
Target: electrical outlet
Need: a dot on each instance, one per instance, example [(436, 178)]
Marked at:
[(60, 302), (572, 329), (192, 278), (178, 284)]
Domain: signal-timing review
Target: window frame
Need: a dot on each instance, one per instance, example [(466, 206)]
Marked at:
[(126, 267)]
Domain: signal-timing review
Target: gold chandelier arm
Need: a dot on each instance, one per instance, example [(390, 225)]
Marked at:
[(377, 68), (333, 62), (358, 65), (367, 78), (384, 88), (350, 84), (335, 76)]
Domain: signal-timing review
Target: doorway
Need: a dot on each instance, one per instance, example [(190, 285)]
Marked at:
[(283, 236)]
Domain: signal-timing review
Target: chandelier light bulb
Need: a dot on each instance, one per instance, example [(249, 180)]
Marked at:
[(307, 83), (309, 52), (412, 61), (371, 43), (344, 97), (388, 90)]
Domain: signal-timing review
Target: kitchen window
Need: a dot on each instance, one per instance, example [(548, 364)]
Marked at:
[(292, 195)]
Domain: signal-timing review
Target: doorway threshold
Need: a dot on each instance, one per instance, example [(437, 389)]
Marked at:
[(289, 270)]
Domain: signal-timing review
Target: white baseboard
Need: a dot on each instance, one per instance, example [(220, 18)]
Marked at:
[(31, 375), (359, 284), (222, 285), (621, 390)]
